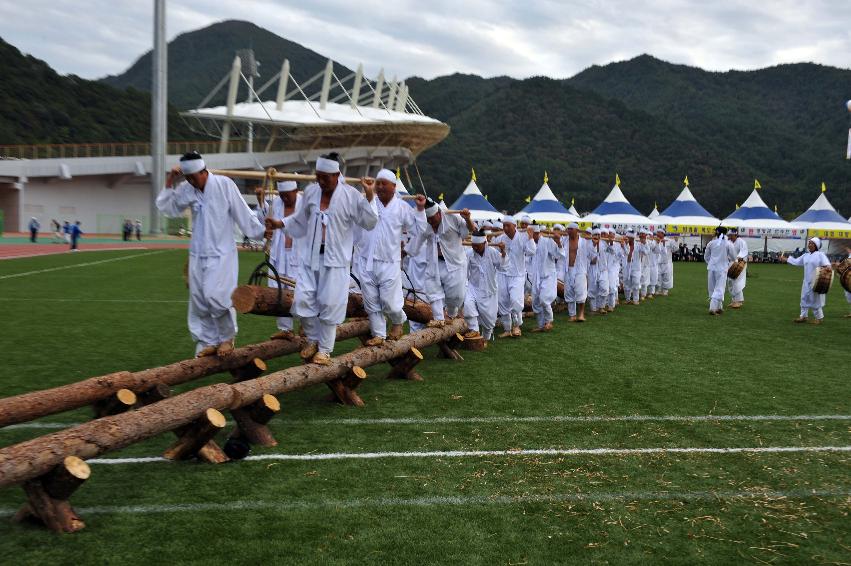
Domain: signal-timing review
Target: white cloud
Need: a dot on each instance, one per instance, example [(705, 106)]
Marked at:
[(486, 37)]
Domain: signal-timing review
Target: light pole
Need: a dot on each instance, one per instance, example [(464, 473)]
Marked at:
[(159, 110)]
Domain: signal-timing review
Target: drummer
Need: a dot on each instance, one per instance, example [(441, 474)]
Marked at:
[(847, 292), (811, 261)]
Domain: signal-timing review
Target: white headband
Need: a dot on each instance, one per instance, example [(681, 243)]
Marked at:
[(595, 232), (558, 227), (536, 227), (324, 165), (817, 242), (191, 166), (287, 186), (508, 220), (432, 210), (478, 239), (573, 225), (387, 175)]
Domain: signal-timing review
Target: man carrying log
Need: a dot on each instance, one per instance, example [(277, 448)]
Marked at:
[(614, 254), (213, 265), (512, 275), (283, 251), (326, 217), (482, 301), (632, 270), (577, 252), (548, 250), (378, 262), (598, 274), (665, 253), (438, 263)]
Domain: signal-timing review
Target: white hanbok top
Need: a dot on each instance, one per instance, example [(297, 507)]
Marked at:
[(383, 242), (481, 270), (517, 249), (719, 254)]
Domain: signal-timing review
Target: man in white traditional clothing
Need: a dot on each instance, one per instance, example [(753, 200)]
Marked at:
[(216, 206), (665, 257), (435, 268), (632, 271), (512, 275), (378, 258), (481, 304), (737, 285), (548, 250), (718, 255), (283, 251), (598, 274), (325, 219), (577, 258), (811, 260), (645, 257), (614, 253)]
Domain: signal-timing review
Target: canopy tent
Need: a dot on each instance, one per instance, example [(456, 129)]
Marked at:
[(545, 207), (686, 215), (616, 212), (654, 213), (822, 220), (572, 210), (472, 198), (754, 218)]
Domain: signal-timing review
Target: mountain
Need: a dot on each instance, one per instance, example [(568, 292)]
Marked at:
[(512, 131), (198, 60), (788, 122), (37, 105)]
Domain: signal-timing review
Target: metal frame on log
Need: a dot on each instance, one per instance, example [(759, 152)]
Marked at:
[(29, 406), (36, 457)]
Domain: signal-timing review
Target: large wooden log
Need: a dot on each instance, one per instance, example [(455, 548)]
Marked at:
[(29, 406), (37, 456), (251, 421), (256, 299), (47, 496)]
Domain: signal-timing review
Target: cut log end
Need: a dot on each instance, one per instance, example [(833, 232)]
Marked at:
[(77, 467), (244, 297)]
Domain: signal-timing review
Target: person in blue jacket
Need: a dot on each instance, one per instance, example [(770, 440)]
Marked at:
[(75, 232)]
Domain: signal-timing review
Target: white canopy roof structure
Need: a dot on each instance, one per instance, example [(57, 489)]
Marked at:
[(754, 219), (822, 220), (472, 198), (545, 207), (572, 210), (616, 212), (685, 214), (653, 213)]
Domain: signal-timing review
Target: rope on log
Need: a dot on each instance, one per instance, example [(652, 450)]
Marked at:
[(29, 406), (33, 458)]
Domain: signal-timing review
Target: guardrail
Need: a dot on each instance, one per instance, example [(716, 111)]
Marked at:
[(71, 150)]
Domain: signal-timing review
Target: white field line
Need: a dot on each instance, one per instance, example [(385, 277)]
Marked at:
[(86, 264), (513, 419), (453, 500), (67, 251), (518, 452)]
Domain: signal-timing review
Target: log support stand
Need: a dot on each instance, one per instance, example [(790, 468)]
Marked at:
[(196, 439), (251, 421), (403, 368), (343, 388), (120, 401), (448, 349), (47, 496)]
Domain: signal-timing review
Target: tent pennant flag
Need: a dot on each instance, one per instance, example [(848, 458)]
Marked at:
[(823, 187), (546, 178), (474, 173), (617, 180), (527, 200), (685, 181), (756, 184)]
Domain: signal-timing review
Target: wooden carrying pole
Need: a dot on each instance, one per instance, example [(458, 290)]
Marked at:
[(275, 175), (34, 458), (29, 406)]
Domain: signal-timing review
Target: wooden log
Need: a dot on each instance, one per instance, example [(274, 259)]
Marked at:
[(156, 393), (403, 368), (448, 348), (47, 496), (29, 406), (343, 394), (251, 370), (477, 344), (354, 378), (251, 421), (120, 401), (256, 299), (194, 437), (37, 456)]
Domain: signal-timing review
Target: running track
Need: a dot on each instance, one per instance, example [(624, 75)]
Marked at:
[(9, 251)]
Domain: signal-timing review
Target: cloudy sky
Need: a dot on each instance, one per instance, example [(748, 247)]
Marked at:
[(93, 38)]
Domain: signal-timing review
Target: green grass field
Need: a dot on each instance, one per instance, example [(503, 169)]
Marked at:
[(631, 380)]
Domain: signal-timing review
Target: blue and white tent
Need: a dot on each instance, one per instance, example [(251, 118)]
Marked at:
[(472, 198), (687, 214), (653, 213), (821, 219), (545, 207), (572, 210), (616, 212), (754, 218)]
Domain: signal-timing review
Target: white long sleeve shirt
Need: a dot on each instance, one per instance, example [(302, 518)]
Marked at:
[(214, 212), (740, 247), (547, 253), (517, 249), (348, 208), (482, 269), (383, 242), (719, 254)]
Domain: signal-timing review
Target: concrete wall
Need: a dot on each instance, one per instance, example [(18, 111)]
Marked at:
[(101, 203)]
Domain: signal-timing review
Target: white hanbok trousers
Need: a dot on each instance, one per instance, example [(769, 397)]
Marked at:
[(381, 288), (717, 281), (211, 317), (480, 312), (320, 302), (512, 296)]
